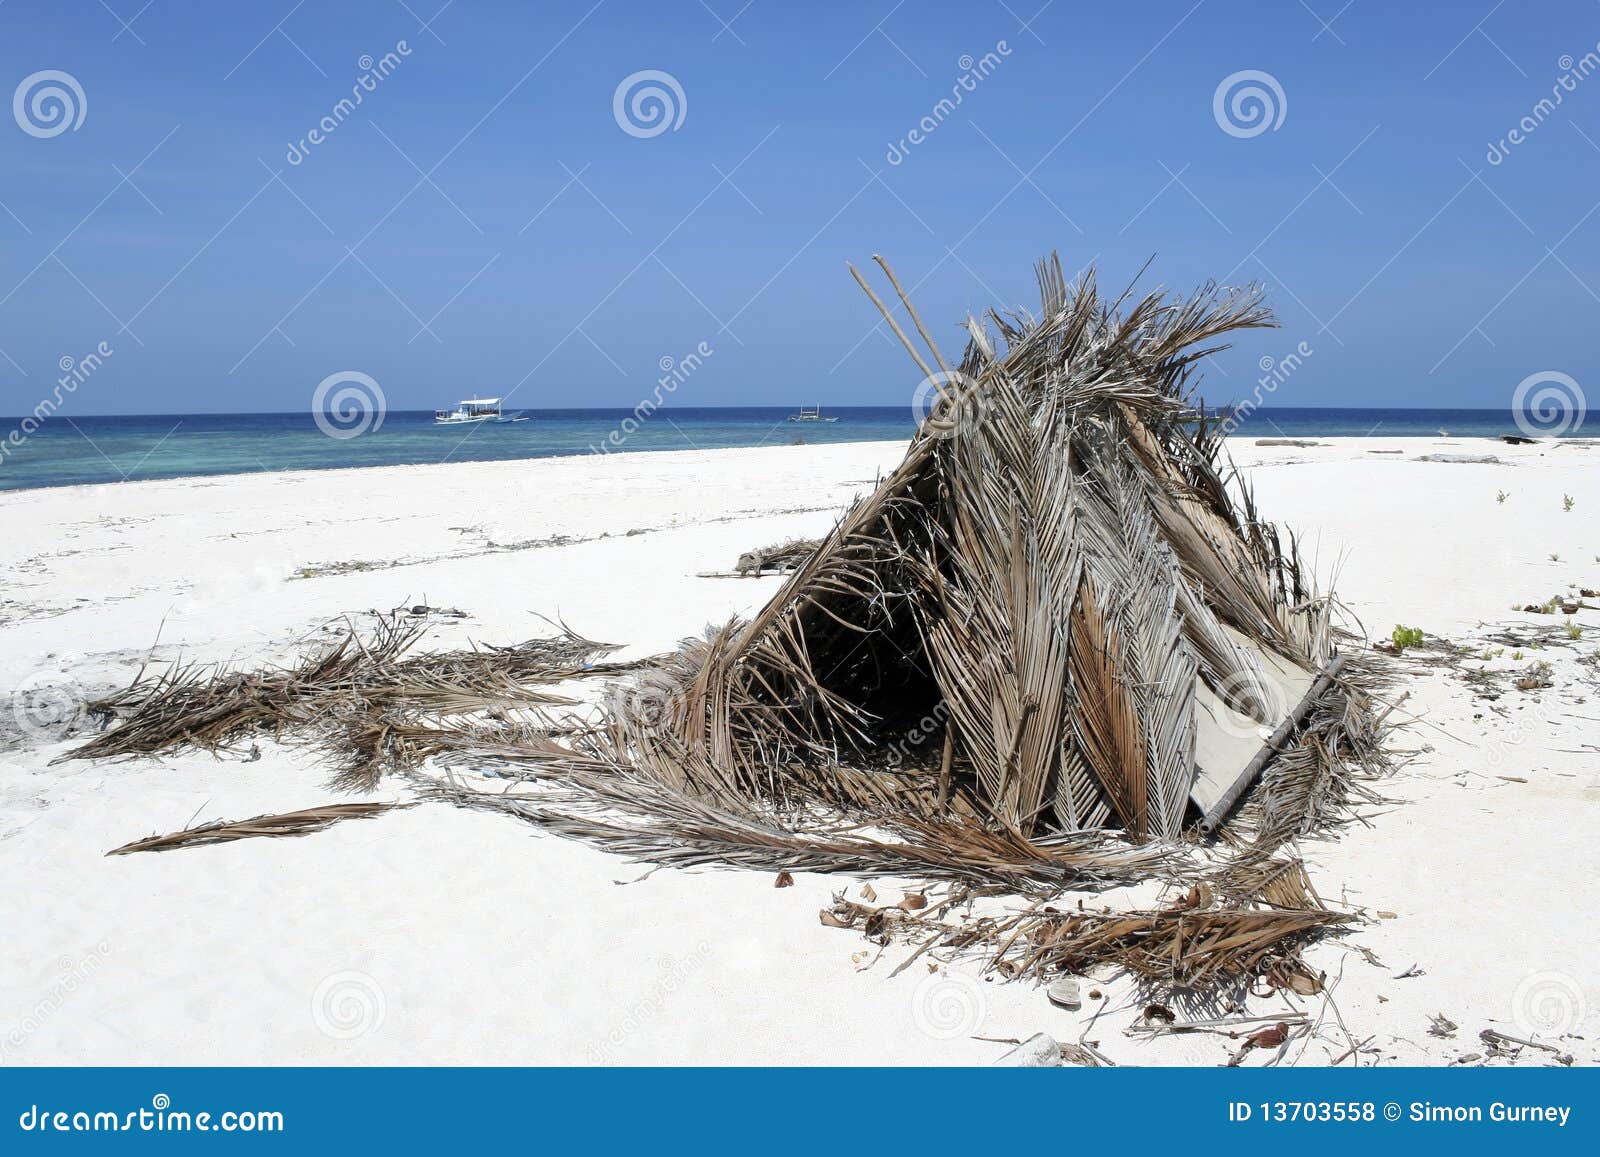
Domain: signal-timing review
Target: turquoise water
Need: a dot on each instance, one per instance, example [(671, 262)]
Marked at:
[(67, 451)]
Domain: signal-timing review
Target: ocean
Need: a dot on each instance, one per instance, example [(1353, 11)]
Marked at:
[(70, 450)]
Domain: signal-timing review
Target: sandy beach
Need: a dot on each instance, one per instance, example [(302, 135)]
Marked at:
[(438, 935)]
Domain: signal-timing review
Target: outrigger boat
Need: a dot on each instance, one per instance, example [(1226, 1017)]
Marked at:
[(810, 414), (475, 410)]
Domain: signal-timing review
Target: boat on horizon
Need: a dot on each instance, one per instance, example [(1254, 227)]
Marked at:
[(471, 410), (810, 414)]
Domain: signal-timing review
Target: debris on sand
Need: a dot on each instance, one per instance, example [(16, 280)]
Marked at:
[(780, 558), (357, 696), (1048, 648), (1056, 648), (298, 823)]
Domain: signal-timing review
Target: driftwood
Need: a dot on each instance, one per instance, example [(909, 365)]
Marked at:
[(298, 823)]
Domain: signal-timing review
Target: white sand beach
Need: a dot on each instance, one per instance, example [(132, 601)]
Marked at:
[(441, 935)]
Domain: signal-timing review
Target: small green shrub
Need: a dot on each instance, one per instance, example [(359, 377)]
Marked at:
[(1404, 637)]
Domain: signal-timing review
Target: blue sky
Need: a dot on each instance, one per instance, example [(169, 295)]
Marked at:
[(483, 223)]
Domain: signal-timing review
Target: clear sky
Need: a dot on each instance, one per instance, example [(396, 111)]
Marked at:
[(483, 221)]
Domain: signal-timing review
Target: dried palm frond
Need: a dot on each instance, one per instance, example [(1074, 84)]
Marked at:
[(298, 823), (349, 687), (779, 557), (987, 672)]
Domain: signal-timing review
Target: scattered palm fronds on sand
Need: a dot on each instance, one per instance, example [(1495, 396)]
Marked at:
[(1198, 943), (779, 558), (1058, 632), (352, 695), (1054, 649), (298, 823)]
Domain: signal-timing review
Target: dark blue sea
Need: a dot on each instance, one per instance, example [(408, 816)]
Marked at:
[(68, 451)]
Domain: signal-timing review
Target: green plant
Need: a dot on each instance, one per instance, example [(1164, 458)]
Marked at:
[(1516, 656), (1501, 497), (1573, 630), (1566, 502), (1404, 637), (1493, 653)]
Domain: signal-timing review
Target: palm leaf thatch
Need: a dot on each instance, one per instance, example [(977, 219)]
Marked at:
[(1053, 571), (1013, 665)]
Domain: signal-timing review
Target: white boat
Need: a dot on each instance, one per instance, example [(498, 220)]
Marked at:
[(810, 414), (470, 410)]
